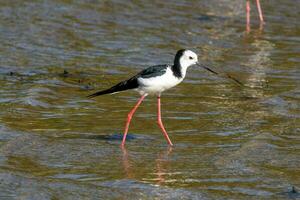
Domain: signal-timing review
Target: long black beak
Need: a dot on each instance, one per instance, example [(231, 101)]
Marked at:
[(216, 73)]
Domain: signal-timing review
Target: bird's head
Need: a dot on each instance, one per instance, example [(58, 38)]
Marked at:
[(185, 58)]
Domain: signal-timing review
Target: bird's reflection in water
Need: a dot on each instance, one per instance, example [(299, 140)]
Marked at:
[(126, 163), (160, 165), (259, 62), (257, 30)]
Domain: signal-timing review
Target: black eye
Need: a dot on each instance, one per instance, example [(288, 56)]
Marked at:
[(191, 58)]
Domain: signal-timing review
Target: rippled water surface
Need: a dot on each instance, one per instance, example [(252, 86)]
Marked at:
[(231, 142)]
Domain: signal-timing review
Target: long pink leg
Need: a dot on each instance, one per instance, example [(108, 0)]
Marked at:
[(259, 10), (129, 117), (160, 122), (248, 12)]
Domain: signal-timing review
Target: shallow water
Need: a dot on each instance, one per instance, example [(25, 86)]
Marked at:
[(231, 142)]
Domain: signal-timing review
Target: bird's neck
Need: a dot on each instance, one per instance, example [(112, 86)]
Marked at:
[(179, 71)]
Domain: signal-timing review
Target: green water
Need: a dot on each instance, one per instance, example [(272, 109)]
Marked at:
[(231, 142)]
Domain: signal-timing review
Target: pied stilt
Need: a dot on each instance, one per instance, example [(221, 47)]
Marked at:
[(155, 80)]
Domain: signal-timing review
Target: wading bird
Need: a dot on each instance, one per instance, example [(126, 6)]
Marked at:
[(155, 80)]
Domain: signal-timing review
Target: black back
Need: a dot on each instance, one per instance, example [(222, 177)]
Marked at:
[(153, 71)]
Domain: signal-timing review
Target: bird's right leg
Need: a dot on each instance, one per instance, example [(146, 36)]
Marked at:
[(129, 117), (160, 122)]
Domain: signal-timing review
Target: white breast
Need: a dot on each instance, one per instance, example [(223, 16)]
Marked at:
[(156, 85)]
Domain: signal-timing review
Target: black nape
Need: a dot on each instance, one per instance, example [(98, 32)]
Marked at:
[(176, 68)]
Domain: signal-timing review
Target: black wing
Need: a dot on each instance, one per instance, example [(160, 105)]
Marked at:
[(131, 83)]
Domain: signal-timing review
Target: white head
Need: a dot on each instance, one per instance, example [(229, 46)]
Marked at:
[(185, 58)]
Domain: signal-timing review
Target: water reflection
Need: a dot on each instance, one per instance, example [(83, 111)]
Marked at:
[(259, 63), (161, 166), (259, 29), (126, 164)]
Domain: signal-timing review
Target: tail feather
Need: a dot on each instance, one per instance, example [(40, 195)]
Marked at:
[(124, 85)]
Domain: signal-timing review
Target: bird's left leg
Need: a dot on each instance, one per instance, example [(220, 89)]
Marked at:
[(160, 122)]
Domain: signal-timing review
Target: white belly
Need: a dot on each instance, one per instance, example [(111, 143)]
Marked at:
[(156, 85)]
